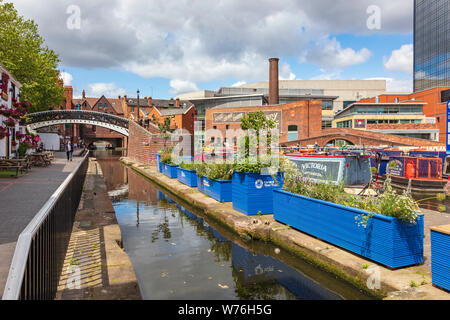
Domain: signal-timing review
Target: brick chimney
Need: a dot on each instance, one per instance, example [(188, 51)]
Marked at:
[(84, 94), (68, 93), (273, 82), (150, 102), (177, 102)]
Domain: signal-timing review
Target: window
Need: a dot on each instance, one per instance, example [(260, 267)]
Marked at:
[(132, 109), (292, 133), (213, 139), (227, 127), (214, 127), (100, 106), (348, 103), (344, 124), (327, 124), (327, 105)]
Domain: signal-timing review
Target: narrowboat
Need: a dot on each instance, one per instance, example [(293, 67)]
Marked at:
[(416, 173), (352, 170)]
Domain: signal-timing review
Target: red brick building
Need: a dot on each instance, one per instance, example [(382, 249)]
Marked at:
[(296, 120)]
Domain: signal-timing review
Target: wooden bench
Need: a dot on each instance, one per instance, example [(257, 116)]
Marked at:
[(10, 164)]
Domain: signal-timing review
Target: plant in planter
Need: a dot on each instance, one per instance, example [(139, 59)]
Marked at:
[(187, 174), (387, 229), (169, 167), (252, 189), (214, 180)]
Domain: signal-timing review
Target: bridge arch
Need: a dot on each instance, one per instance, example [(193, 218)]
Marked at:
[(340, 141), (49, 118)]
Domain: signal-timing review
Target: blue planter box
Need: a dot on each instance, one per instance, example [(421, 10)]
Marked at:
[(170, 171), (159, 163), (200, 184), (187, 177), (216, 189), (386, 240), (440, 256), (253, 192)]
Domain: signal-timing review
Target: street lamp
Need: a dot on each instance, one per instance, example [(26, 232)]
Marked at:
[(138, 105)]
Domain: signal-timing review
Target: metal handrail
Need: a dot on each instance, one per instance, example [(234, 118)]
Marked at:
[(17, 272)]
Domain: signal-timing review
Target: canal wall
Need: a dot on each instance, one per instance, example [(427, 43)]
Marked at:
[(96, 267), (406, 283)]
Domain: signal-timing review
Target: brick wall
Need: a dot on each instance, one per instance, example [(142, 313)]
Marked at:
[(143, 145)]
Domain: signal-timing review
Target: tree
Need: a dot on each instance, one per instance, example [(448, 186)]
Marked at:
[(258, 122), (30, 61)]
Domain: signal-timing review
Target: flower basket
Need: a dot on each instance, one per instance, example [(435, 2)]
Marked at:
[(386, 240)]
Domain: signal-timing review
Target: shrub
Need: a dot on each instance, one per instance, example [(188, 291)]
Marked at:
[(220, 171)]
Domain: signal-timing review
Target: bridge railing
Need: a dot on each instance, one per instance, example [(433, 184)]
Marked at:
[(41, 248)]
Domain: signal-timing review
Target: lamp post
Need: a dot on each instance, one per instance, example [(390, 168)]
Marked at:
[(138, 115)]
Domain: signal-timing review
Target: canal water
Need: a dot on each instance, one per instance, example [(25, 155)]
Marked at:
[(179, 254)]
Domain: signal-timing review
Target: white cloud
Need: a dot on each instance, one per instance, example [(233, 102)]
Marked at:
[(67, 78), (286, 73), (182, 86), (196, 40), (329, 54), (109, 90), (238, 84), (401, 60)]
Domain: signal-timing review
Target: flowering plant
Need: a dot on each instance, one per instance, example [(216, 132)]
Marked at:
[(10, 122)]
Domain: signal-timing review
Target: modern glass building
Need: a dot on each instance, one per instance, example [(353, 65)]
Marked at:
[(431, 44)]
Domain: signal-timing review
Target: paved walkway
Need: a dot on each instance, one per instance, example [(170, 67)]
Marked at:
[(21, 199), (96, 267)]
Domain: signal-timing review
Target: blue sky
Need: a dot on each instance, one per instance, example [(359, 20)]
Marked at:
[(165, 48)]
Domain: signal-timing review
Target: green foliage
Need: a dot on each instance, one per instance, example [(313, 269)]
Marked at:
[(24, 54), (217, 171), (189, 166), (220, 171), (165, 126), (22, 150), (166, 156), (202, 169), (389, 203), (257, 121)]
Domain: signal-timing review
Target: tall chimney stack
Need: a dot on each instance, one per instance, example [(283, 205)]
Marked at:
[(273, 82)]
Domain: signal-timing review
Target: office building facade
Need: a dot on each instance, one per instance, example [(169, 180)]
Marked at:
[(431, 44)]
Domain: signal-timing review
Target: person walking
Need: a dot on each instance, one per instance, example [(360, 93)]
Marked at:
[(69, 151)]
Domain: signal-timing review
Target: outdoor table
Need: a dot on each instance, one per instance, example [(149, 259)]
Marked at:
[(40, 159)]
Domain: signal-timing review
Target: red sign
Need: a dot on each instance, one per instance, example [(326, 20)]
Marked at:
[(360, 123)]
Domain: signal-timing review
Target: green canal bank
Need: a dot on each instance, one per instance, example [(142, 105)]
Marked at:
[(406, 283)]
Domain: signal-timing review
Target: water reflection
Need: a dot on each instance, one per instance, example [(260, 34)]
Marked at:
[(177, 254)]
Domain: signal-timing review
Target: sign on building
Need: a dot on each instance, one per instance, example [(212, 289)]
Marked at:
[(235, 117)]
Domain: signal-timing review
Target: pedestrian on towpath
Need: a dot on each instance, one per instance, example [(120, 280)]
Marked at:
[(69, 151)]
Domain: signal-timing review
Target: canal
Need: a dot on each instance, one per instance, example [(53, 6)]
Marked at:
[(179, 254)]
